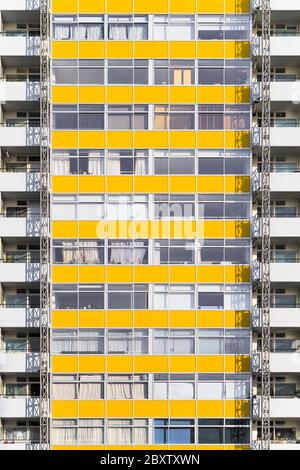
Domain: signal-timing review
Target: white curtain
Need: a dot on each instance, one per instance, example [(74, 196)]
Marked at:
[(211, 391), (89, 253), (61, 166), (90, 436), (93, 32), (138, 252), (62, 31), (90, 391), (64, 436), (69, 253), (137, 32), (113, 166), (140, 166), (119, 435), (126, 391), (121, 346), (95, 166), (118, 32), (122, 254), (140, 436), (61, 391)]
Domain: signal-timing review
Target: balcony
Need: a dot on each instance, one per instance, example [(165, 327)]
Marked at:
[(19, 182), (287, 5), (19, 317), (16, 43), (19, 361), (20, 438), (20, 222), (21, 5), (20, 266), (285, 362), (281, 316), (285, 408), (19, 90), (19, 407), (20, 133)]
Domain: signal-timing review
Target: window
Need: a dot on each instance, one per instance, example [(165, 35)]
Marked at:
[(124, 296), (175, 162), (132, 207), (67, 296), (127, 162), (133, 28), (125, 117), (174, 206), (83, 386), (127, 431), (174, 252), (127, 387), (127, 341), (235, 251), (89, 117), (128, 251), (174, 117), (219, 27), (174, 431), (215, 206), (236, 117), (172, 27), (85, 341), (173, 342), (127, 72), (174, 387), (89, 27), (82, 252), (213, 341), (84, 162), (81, 431), (81, 72), (174, 72), (174, 297), (229, 297), (216, 72)]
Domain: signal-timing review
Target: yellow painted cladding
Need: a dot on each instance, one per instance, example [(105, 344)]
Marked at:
[(150, 94), (151, 229), (150, 274), (150, 139), (147, 364), (150, 49), (150, 6)]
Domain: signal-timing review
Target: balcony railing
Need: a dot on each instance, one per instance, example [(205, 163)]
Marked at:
[(28, 78), (281, 256), (15, 212), (21, 301), (21, 257), (20, 169), (20, 122), (17, 32), (283, 345), (20, 434)]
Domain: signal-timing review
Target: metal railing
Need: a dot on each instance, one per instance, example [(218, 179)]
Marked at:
[(20, 122), (23, 33), (21, 257)]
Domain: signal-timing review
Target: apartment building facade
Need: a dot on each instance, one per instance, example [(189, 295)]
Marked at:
[(153, 226)]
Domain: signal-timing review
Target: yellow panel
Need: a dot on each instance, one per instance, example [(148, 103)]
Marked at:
[(151, 184), (90, 139), (183, 363), (178, 6), (150, 364), (64, 94), (210, 318), (64, 49), (64, 6), (182, 139), (237, 274), (64, 364), (91, 184), (151, 94), (64, 229), (119, 319), (179, 49), (64, 274), (182, 409), (151, 408), (182, 184), (90, 6), (211, 274), (237, 139), (150, 274), (91, 94), (153, 6), (182, 94), (237, 49), (210, 50), (91, 49), (151, 49), (91, 274), (64, 408), (151, 319), (90, 364), (115, 6), (64, 139), (210, 363), (210, 94), (64, 184), (91, 318), (237, 229), (237, 6), (119, 184), (118, 94), (237, 319), (119, 273), (213, 6), (214, 228), (211, 184), (119, 139), (182, 273), (64, 319), (237, 363), (151, 139), (119, 408), (237, 408), (119, 363), (91, 408), (210, 408), (183, 319), (119, 49), (211, 139), (237, 94), (237, 184)]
